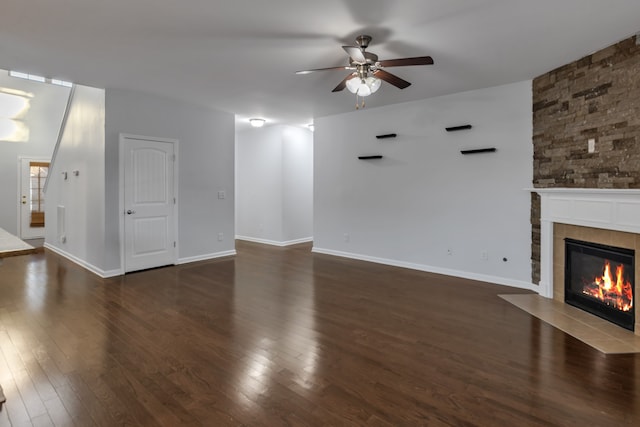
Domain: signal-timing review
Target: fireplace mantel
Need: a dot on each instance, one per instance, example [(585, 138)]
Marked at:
[(609, 209)]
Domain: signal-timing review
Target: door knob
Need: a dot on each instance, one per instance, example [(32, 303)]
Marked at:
[(129, 212)]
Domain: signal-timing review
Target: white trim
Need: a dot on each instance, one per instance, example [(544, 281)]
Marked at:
[(92, 268), (275, 242), (206, 257), (176, 145), (586, 191), (609, 209), (431, 269)]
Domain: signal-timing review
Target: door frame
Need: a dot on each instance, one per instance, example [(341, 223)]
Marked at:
[(121, 165), (19, 194)]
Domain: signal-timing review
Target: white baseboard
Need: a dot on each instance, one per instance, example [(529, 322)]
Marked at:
[(92, 268), (274, 242), (431, 269), (206, 257), (119, 272)]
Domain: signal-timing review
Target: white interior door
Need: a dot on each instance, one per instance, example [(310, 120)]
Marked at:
[(33, 173), (149, 203)]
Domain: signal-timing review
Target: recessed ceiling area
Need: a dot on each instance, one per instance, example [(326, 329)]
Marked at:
[(241, 56)]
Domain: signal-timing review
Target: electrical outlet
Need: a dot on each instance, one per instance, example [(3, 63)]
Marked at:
[(221, 195), (220, 237), (591, 145), (449, 251), (484, 255), (346, 237)]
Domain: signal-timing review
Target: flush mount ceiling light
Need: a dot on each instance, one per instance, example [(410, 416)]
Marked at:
[(257, 123)]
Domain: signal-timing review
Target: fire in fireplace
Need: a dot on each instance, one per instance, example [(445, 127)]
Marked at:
[(600, 279)]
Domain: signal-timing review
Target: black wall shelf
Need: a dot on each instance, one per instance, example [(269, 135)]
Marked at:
[(479, 150), (456, 128), (369, 157), (385, 136)]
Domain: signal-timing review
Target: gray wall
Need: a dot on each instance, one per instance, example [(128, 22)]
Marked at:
[(81, 149), (297, 182), (205, 166), (274, 179), (424, 197)]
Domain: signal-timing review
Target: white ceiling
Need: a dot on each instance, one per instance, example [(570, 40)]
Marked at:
[(240, 55)]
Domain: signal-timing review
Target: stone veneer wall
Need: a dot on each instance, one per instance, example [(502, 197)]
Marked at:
[(596, 97)]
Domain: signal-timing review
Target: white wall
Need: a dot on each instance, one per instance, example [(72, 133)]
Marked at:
[(297, 179), (205, 166), (259, 184), (43, 117), (274, 179), (83, 197), (424, 197)]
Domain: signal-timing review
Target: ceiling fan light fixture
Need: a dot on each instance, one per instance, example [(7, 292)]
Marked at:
[(367, 72), (364, 87), (353, 84), (257, 123), (374, 83)]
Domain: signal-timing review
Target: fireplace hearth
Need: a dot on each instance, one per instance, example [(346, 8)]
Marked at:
[(600, 280)]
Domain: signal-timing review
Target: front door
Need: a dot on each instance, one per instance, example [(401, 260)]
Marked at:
[(33, 174), (149, 203)]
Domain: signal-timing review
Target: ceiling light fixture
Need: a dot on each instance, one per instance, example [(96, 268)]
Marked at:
[(257, 123), (364, 86)]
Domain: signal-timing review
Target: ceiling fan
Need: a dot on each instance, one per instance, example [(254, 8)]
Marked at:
[(368, 71)]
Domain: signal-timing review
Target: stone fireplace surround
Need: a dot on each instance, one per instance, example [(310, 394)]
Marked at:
[(606, 216)]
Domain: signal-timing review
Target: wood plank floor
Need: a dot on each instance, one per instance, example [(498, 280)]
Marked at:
[(280, 336)]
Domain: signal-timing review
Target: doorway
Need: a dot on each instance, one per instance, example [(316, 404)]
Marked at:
[(33, 175), (148, 197)]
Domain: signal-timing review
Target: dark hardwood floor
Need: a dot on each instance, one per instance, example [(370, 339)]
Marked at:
[(280, 336)]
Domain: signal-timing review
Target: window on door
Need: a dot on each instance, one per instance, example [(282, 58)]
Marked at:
[(38, 172)]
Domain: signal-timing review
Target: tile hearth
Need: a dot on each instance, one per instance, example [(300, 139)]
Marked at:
[(593, 331)]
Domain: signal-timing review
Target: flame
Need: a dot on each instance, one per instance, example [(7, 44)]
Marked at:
[(616, 292)]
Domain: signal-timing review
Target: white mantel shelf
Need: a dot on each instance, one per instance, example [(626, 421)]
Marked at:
[(586, 191), (609, 209)]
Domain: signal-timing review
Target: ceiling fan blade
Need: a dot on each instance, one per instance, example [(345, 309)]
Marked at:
[(355, 53), (401, 62), (323, 69), (343, 83), (392, 79)]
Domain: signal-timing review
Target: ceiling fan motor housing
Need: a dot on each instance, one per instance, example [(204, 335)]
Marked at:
[(363, 41)]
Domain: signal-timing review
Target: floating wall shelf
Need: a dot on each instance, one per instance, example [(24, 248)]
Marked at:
[(388, 135), (479, 150), (456, 128), (369, 157)]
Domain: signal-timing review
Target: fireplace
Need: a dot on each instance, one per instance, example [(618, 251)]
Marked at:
[(606, 216), (600, 280)]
